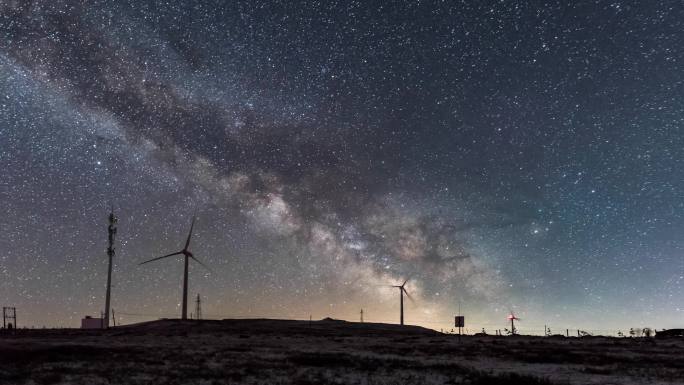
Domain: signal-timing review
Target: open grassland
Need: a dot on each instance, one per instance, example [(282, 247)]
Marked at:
[(326, 352)]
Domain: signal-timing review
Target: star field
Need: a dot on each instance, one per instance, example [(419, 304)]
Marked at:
[(500, 154)]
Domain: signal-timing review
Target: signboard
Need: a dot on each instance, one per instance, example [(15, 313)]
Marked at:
[(91, 323), (459, 321)]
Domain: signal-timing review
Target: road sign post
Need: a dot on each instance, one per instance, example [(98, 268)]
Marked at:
[(459, 322)]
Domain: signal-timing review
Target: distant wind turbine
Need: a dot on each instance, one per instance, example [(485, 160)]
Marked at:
[(188, 255), (513, 318), (402, 291)]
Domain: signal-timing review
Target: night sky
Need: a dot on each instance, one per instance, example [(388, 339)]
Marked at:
[(504, 155)]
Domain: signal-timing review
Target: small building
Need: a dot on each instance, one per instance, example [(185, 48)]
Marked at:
[(91, 323)]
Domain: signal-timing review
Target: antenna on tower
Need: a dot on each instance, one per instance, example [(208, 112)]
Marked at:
[(110, 253), (198, 307)]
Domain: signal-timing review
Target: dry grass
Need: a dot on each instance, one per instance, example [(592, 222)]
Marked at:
[(242, 353)]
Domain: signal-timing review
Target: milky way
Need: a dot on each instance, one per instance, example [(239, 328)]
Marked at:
[(500, 155)]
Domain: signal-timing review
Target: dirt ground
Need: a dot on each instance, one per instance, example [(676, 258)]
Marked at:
[(326, 352)]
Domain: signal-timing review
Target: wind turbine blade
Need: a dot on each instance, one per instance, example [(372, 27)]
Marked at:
[(192, 225), (163, 256), (403, 284), (203, 265), (408, 295)]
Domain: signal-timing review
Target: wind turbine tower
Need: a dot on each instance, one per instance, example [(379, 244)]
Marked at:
[(402, 291), (187, 256), (110, 253), (198, 307)]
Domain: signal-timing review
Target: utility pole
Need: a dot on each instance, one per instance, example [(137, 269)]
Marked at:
[(110, 254), (361, 315), (113, 318), (198, 307)]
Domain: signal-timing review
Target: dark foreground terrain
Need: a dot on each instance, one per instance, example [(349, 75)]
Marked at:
[(325, 352)]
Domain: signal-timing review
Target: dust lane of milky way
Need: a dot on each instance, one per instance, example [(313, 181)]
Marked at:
[(500, 155)]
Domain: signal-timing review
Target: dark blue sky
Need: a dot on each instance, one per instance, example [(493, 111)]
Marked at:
[(508, 155)]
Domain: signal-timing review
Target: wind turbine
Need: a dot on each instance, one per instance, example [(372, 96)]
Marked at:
[(513, 318), (402, 291), (188, 255)]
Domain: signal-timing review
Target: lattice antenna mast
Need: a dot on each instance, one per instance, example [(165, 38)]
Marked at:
[(110, 253), (198, 307), (9, 317)]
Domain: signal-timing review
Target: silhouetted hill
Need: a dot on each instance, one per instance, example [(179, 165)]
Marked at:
[(328, 351), (327, 326)]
